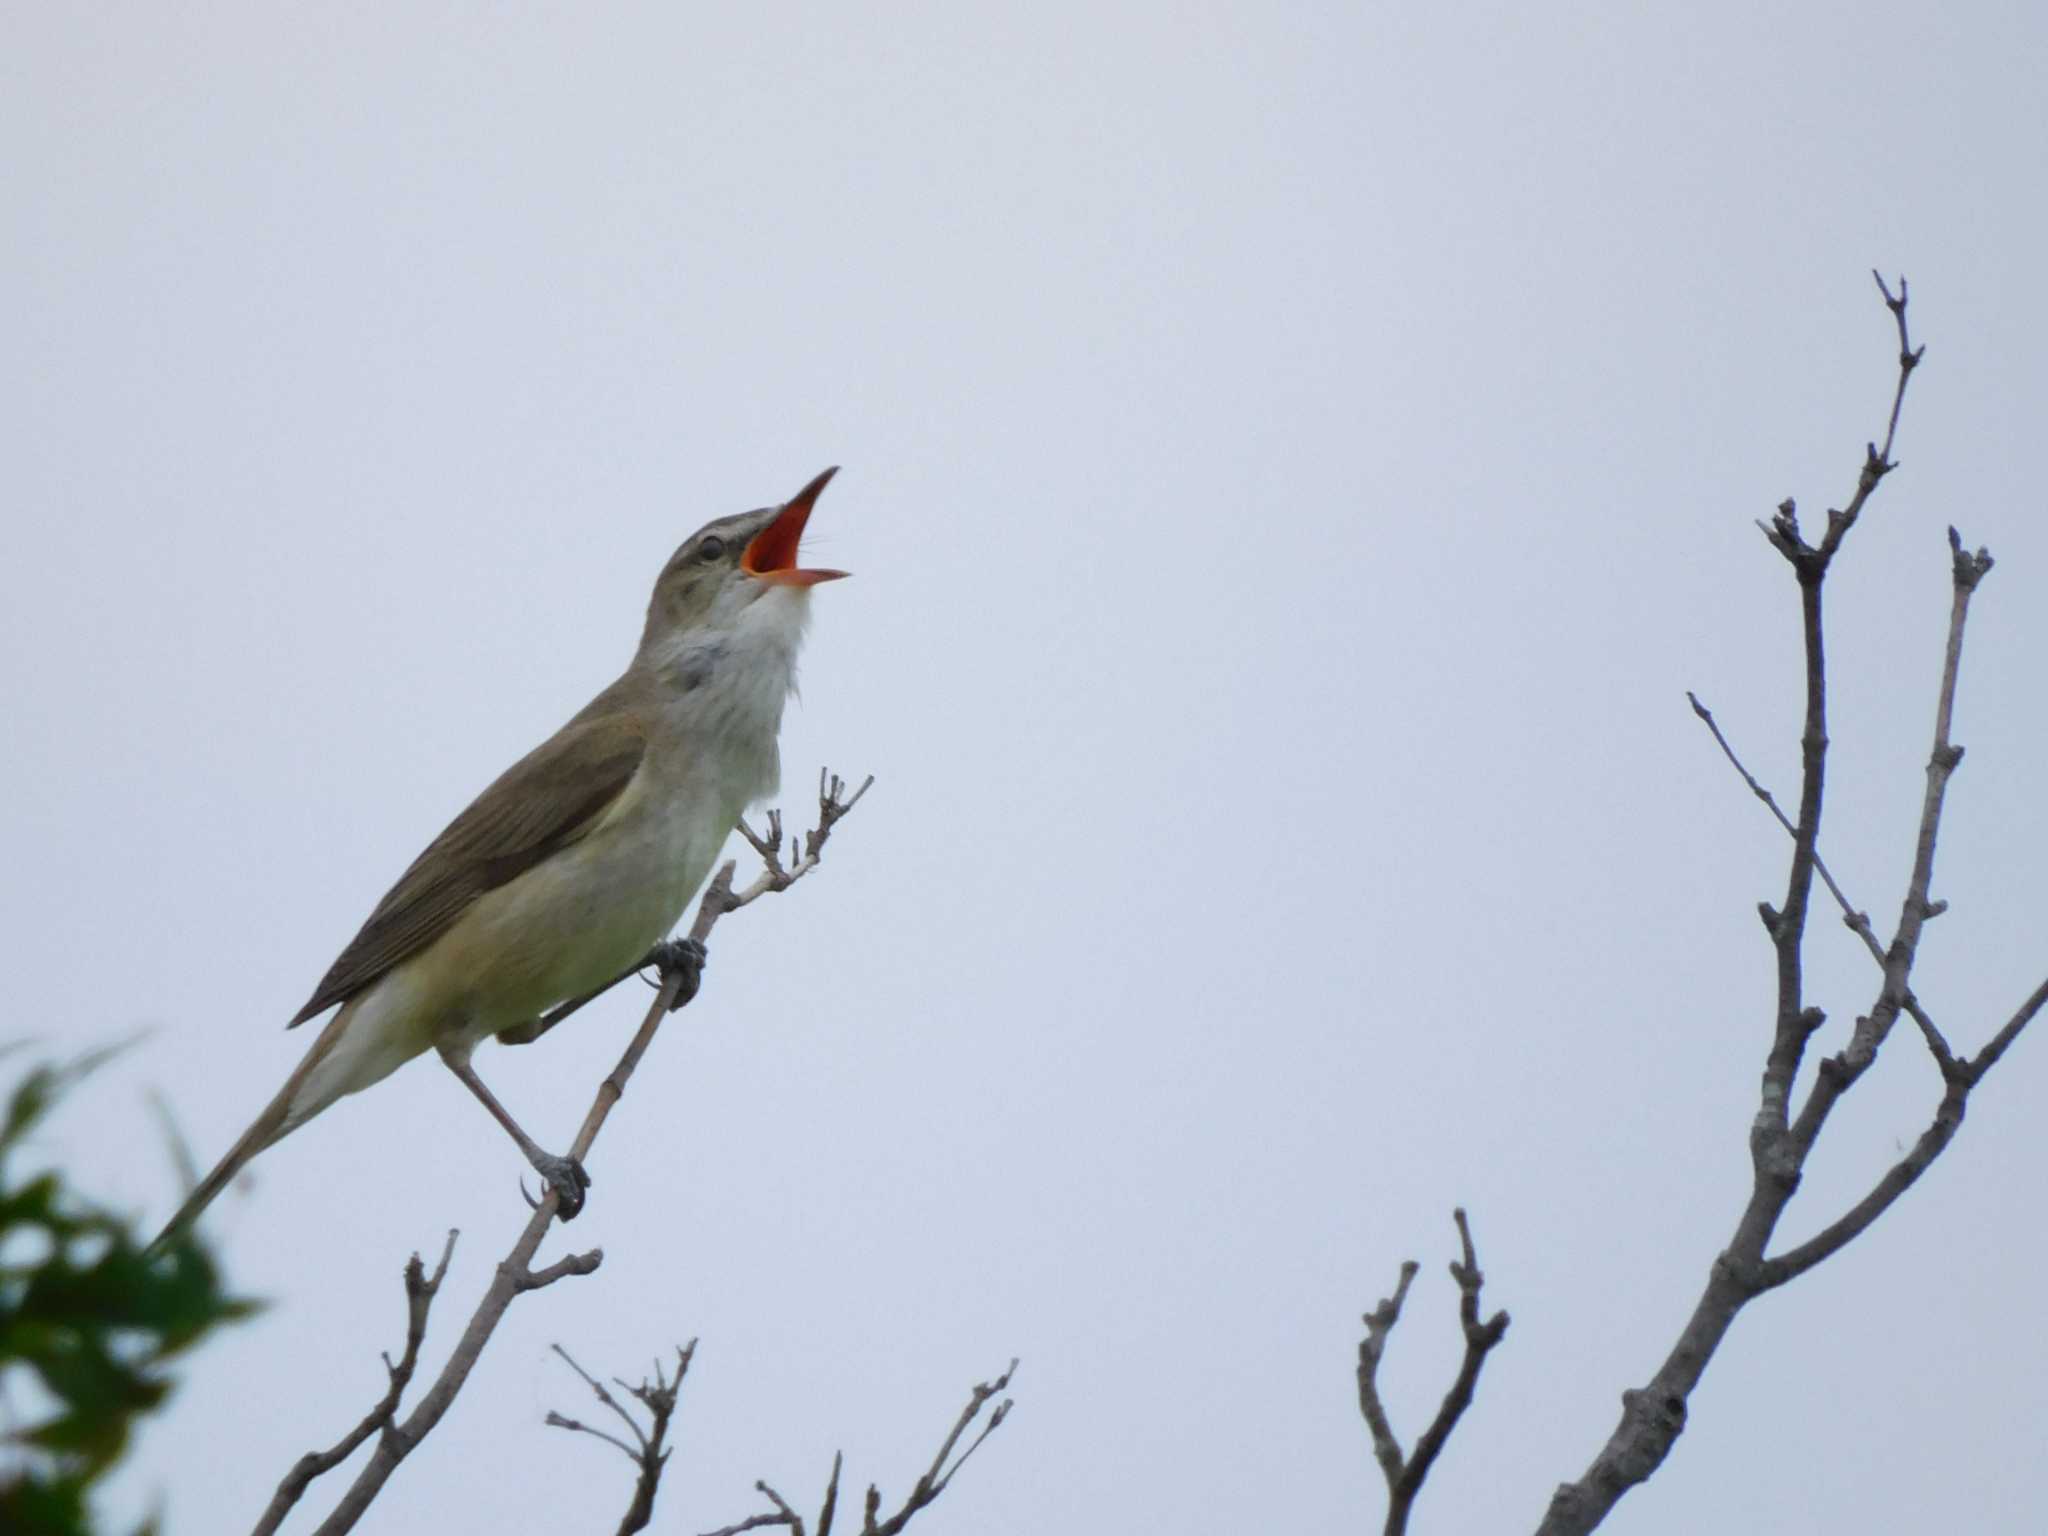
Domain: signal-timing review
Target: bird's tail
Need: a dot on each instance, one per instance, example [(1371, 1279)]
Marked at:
[(272, 1126), (268, 1128)]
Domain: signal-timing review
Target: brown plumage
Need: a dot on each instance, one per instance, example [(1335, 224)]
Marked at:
[(535, 808)]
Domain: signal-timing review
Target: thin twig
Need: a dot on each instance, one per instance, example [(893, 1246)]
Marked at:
[(1976, 1066), (1379, 1323), (831, 1505), (598, 1390), (420, 1290), (782, 1515), (761, 1522), (1405, 1475), (658, 1397), (1962, 1078), (1914, 911), (925, 1492), (1877, 462), (936, 1476), (1853, 917)]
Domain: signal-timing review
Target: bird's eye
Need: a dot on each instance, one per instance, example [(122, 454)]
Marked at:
[(711, 549)]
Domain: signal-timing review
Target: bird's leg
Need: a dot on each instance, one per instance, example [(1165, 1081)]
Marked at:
[(564, 1175)]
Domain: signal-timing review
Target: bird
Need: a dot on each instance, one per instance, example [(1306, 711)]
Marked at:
[(570, 867)]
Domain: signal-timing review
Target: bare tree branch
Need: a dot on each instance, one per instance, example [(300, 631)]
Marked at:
[(1379, 1323), (1877, 462), (925, 1492), (939, 1474), (650, 1453), (783, 1515), (1853, 917), (515, 1274), (1962, 1076), (1986, 1059), (1405, 1475), (1841, 1071), (420, 1290), (1780, 1143)]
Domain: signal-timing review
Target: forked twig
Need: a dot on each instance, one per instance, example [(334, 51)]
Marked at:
[(923, 1493), (1405, 1474), (1854, 918), (649, 1453), (420, 1290)]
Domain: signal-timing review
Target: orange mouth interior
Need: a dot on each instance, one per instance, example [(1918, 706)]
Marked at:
[(771, 554)]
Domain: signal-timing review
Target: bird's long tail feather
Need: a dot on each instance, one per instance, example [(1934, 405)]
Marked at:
[(270, 1127)]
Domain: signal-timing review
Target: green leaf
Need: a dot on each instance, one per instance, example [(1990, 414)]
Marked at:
[(90, 1314)]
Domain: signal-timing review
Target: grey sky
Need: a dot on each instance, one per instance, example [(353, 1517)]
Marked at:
[(1296, 460)]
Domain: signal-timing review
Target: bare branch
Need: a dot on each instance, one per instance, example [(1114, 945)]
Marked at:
[(658, 1396), (556, 1420), (1877, 462), (926, 1491), (1962, 1078), (1853, 917), (939, 1474), (1871, 1031), (420, 1290), (1405, 1476), (599, 1391), (1480, 1339), (774, 877), (1909, 356), (515, 1275), (568, 1264), (761, 1522), (1897, 1179), (831, 1505), (1379, 1322), (1776, 1158), (782, 1514), (1653, 1417), (1988, 1058)]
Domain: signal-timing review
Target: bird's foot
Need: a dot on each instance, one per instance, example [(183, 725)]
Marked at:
[(566, 1177), (685, 957)]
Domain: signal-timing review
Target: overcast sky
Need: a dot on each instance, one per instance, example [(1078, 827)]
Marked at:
[(1296, 458)]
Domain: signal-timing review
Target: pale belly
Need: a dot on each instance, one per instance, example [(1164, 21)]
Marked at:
[(564, 928), (556, 932)]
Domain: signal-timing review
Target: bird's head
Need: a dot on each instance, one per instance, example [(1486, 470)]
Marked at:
[(712, 583)]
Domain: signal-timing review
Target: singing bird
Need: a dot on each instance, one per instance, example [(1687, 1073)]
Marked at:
[(568, 869)]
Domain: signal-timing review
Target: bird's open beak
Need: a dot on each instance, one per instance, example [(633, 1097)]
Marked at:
[(771, 555)]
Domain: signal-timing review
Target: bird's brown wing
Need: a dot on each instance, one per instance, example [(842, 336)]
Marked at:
[(541, 804)]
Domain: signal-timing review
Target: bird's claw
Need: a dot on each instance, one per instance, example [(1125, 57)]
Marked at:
[(566, 1177), (686, 958)]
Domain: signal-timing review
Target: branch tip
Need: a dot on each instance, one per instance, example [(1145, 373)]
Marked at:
[(1405, 1474)]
